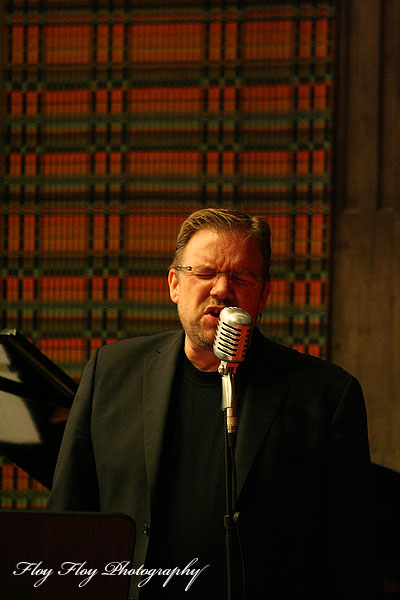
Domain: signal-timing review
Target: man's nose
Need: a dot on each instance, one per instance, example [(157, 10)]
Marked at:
[(221, 285)]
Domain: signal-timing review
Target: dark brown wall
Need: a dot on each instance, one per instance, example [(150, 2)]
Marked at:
[(365, 294)]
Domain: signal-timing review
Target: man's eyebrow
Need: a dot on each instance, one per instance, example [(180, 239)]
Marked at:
[(214, 268)]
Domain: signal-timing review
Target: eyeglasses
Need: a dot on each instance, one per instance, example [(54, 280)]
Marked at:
[(238, 278)]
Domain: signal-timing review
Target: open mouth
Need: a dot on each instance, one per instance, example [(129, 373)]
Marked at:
[(214, 311)]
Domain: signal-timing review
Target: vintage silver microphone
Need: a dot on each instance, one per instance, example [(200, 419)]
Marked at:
[(233, 335), (231, 342)]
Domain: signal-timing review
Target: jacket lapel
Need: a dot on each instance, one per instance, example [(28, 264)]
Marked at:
[(158, 379), (264, 390)]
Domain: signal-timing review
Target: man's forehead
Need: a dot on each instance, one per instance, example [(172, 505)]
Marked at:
[(208, 244)]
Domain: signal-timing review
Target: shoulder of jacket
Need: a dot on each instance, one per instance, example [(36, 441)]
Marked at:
[(140, 344), (300, 364)]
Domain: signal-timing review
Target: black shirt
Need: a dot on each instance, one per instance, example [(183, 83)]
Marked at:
[(188, 521)]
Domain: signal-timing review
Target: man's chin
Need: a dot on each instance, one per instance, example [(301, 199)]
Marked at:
[(203, 340), (208, 335), (201, 334), (207, 342)]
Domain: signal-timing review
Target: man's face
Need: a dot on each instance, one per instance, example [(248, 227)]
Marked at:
[(199, 301)]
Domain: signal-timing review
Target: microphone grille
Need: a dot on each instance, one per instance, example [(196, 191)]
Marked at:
[(233, 334)]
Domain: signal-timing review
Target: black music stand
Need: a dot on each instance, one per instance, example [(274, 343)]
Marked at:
[(50, 539)]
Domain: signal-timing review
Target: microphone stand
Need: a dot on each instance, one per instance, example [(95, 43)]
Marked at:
[(229, 406)]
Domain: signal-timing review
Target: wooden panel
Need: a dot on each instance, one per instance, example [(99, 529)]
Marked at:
[(365, 301), (389, 197)]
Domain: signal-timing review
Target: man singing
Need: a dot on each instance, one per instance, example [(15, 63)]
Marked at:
[(145, 437)]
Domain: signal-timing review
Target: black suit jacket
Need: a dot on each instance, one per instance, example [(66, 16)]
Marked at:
[(302, 461)]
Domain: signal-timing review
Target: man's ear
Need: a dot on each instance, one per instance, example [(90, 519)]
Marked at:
[(173, 286)]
